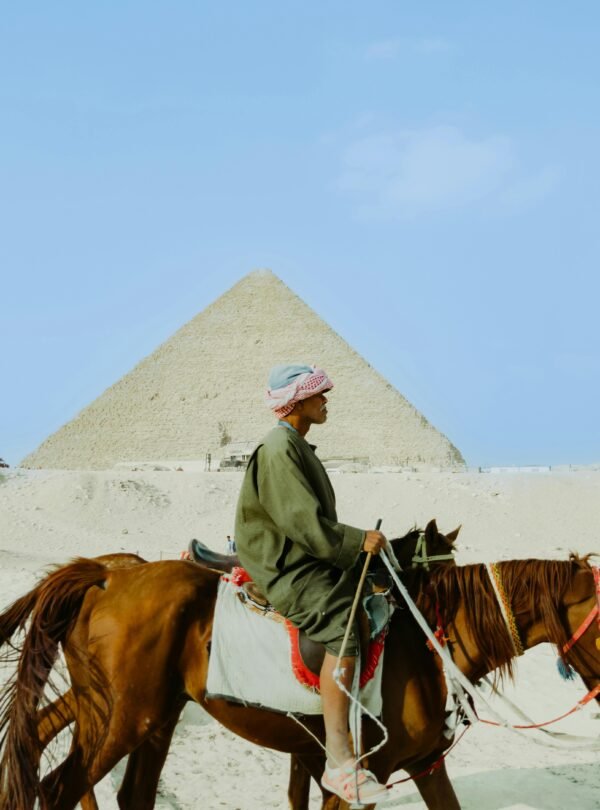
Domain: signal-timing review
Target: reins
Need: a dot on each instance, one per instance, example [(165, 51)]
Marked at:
[(531, 725), (593, 614)]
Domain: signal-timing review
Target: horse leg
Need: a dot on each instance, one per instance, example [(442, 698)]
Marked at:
[(302, 768), (74, 778), (63, 788), (88, 801), (435, 787), (140, 783), (96, 748), (56, 716), (298, 784), (52, 719), (87, 764)]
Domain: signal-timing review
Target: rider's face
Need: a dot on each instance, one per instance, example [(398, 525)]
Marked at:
[(314, 409)]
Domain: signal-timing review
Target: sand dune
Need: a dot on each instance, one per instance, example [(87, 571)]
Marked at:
[(50, 516)]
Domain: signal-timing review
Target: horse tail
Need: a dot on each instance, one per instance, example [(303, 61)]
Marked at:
[(52, 608), (14, 618)]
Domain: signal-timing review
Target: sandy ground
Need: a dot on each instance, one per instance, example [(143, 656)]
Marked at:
[(50, 516)]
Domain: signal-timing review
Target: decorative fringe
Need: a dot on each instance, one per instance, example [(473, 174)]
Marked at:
[(566, 671), (312, 681)]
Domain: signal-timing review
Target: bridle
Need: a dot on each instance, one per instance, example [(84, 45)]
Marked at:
[(421, 558)]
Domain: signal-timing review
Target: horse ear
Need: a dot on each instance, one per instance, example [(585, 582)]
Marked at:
[(451, 536), (431, 530)]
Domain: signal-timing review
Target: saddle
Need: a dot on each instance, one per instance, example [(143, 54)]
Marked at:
[(312, 653), (207, 558)]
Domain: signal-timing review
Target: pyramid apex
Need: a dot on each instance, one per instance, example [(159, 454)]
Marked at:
[(261, 273), (259, 277)]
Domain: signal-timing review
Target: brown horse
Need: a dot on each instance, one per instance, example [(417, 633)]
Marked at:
[(417, 552), (149, 658)]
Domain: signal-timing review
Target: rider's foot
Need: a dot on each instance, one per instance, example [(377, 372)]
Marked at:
[(358, 786)]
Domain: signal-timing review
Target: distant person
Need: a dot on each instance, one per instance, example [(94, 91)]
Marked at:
[(231, 549)]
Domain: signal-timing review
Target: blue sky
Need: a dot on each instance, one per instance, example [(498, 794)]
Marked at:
[(424, 175)]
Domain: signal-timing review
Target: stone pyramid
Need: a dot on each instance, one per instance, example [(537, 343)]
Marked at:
[(203, 388)]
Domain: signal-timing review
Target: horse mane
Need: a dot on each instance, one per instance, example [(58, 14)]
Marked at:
[(531, 585)]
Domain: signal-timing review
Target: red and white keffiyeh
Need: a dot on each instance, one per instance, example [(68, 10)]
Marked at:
[(290, 384)]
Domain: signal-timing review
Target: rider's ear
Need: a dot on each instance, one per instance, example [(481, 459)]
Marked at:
[(451, 536)]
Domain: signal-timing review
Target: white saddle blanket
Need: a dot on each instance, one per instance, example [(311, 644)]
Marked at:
[(250, 662)]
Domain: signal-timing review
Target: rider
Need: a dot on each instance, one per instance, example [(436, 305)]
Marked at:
[(305, 561)]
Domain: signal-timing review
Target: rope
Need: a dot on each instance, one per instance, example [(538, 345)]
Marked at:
[(460, 684), (433, 767), (575, 741)]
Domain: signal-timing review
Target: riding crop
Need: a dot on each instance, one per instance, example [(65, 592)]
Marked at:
[(357, 596)]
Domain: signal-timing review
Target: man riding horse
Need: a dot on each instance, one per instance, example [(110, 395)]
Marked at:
[(305, 561)]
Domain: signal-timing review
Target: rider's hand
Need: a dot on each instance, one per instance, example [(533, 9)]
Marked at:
[(374, 541)]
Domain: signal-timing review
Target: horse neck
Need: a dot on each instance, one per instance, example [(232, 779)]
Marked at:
[(546, 597), (536, 592)]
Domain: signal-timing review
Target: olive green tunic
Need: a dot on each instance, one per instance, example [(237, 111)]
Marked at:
[(289, 539)]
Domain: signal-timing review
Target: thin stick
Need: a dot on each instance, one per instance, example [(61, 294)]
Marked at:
[(359, 588)]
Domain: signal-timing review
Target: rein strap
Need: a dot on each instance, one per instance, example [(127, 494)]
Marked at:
[(593, 614)]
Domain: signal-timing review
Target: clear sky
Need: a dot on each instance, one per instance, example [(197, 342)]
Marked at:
[(424, 175)]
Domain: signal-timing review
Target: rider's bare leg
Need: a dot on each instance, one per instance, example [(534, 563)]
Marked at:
[(335, 709), (342, 776)]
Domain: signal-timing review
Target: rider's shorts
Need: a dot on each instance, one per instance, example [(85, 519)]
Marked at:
[(322, 606)]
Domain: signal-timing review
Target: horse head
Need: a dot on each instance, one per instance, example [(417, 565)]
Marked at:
[(418, 552), (422, 549)]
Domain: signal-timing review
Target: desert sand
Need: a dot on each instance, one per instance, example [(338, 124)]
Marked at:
[(49, 516)]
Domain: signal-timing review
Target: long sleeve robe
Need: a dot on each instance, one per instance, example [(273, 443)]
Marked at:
[(290, 540)]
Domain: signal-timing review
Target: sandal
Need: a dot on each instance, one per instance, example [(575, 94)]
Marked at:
[(358, 786)]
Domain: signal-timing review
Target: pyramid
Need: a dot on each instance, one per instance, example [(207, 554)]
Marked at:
[(204, 388)]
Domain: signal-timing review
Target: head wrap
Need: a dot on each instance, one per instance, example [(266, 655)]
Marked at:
[(289, 384)]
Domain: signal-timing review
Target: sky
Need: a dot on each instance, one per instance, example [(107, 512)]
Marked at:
[(424, 175)]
